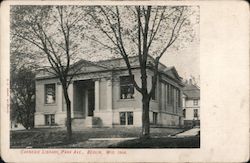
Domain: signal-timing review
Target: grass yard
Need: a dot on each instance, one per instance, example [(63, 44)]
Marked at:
[(55, 138), (187, 142)]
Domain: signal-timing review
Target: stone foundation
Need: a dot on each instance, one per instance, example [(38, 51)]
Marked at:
[(165, 119), (105, 119), (39, 119), (60, 119), (111, 119)]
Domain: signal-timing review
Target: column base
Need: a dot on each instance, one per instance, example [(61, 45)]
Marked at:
[(105, 119)]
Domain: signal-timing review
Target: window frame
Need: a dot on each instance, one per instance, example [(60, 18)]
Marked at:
[(171, 94), (168, 94), (128, 119), (154, 95), (179, 97), (196, 113), (122, 118), (46, 93), (195, 102), (48, 118), (129, 85), (155, 118)]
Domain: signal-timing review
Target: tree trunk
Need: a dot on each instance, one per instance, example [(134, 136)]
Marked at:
[(145, 117), (68, 122)]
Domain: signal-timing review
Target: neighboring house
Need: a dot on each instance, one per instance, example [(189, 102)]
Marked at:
[(101, 94), (191, 104)]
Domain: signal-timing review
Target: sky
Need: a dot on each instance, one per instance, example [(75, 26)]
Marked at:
[(186, 61)]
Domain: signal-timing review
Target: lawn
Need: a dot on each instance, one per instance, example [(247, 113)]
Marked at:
[(187, 142), (55, 138)]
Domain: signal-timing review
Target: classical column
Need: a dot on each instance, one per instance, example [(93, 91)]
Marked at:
[(71, 97), (59, 97), (166, 96), (109, 94), (162, 96), (86, 103), (97, 95)]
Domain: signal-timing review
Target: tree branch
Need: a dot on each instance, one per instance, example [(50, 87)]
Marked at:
[(172, 39), (102, 30)]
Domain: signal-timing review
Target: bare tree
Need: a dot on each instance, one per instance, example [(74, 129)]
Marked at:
[(143, 31), (52, 32)]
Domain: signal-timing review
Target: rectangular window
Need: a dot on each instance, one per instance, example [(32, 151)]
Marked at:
[(163, 96), (174, 100), (196, 113), (195, 102), (126, 87), (126, 118), (184, 113), (50, 93), (154, 92), (49, 119), (130, 118), (155, 115), (179, 98), (169, 94), (123, 118)]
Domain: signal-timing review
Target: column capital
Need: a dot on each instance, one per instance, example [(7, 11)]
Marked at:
[(96, 79), (108, 78)]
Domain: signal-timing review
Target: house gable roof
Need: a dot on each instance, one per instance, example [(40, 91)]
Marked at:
[(172, 72), (191, 91)]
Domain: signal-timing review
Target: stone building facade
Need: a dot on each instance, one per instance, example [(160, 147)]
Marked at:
[(102, 95)]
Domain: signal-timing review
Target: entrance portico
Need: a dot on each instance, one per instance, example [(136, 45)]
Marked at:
[(83, 98)]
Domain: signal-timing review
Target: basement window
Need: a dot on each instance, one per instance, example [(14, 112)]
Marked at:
[(155, 118), (126, 118), (49, 119)]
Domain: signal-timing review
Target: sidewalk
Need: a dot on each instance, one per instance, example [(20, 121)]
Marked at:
[(191, 132)]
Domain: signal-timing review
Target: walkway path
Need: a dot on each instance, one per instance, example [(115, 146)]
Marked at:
[(191, 132)]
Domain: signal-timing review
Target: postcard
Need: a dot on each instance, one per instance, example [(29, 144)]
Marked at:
[(125, 81)]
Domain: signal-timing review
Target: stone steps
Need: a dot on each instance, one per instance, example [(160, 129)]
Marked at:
[(88, 122), (78, 123)]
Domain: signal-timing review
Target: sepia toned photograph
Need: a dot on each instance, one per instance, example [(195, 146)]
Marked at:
[(104, 76)]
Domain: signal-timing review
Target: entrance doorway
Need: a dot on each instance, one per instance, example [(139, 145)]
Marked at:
[(91, 101), (84, 98)]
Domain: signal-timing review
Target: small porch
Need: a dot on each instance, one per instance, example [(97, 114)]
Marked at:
[(91, 100), (84, 103), (83, 98)]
